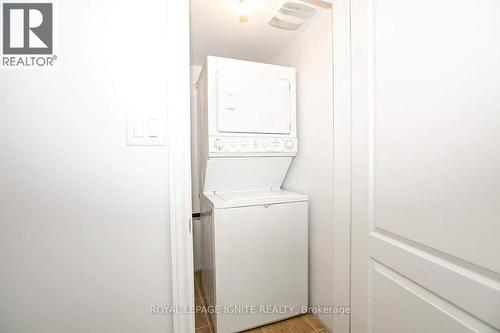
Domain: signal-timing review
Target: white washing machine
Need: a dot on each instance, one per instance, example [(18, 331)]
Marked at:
[(254, 234)]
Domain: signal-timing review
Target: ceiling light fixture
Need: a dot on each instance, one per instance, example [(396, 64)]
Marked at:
[(243, 8)]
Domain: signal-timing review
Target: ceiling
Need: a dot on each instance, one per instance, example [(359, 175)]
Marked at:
[(216, 30)]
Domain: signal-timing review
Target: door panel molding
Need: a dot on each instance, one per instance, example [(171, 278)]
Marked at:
[(469, 290), (447, 308), (487, 277)]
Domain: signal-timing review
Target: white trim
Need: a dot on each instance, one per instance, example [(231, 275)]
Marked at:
[(342, 161), (179, 148)]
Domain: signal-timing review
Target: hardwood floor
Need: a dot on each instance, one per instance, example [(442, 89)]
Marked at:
[(301, 324)]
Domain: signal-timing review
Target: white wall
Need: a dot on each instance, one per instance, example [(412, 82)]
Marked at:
[(311, 171), (84, 237)]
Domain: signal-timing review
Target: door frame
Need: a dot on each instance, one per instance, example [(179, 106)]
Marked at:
[(342, 95), (179, 173)]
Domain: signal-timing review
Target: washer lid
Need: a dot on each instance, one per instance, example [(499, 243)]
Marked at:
[(231, 199)]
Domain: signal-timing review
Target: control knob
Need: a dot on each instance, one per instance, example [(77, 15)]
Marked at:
[(289, 144), (218, 144)]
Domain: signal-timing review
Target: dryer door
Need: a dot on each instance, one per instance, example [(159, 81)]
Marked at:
[(255, 103)]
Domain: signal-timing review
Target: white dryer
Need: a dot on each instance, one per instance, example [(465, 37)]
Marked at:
[(247, 124), (254, 234)]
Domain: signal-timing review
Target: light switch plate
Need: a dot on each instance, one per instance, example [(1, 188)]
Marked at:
[(146, 129)]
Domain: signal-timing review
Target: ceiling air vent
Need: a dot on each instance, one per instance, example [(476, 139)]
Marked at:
[(292, 15)]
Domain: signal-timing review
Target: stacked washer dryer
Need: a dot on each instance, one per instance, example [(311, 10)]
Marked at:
[(254, 234)]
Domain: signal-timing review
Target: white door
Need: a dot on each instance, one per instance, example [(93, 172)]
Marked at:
[(253, 103), (425, 166)]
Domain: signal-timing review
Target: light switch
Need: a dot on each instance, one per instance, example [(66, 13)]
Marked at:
[(139, 128), (153, 129), (230, 100), (146, 129)]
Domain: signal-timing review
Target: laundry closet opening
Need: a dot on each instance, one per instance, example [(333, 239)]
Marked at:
[(262, 164)]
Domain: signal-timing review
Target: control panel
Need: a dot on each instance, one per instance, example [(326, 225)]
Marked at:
[(245, 145)]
